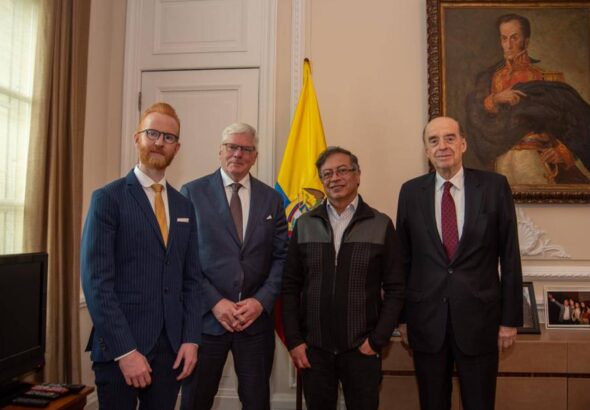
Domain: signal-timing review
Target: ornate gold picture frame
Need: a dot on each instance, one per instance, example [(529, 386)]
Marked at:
[(521, 94)]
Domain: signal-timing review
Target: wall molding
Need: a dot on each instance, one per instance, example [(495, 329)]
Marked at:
[(267, 90), (298, 8), (556, 273), (534, 241)]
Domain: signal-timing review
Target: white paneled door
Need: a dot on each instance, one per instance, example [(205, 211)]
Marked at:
[(206, 101)]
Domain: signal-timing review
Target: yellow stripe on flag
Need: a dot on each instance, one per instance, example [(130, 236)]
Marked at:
[(298, 180)]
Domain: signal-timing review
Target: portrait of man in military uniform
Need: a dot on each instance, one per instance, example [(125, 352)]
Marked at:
[(525, 121), (519, 79)]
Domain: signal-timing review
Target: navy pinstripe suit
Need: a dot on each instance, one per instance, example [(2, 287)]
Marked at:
[(138, 291)]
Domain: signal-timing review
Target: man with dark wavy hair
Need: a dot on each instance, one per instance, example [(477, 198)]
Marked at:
[(342, 290)]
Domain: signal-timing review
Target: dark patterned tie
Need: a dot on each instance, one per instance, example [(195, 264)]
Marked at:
[(448, 216), (235, 206)]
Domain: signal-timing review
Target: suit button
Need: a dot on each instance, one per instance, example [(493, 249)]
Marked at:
[(445, 299), (450, 271), (165, 291)]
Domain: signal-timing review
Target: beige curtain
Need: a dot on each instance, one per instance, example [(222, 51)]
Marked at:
[(53, 199)]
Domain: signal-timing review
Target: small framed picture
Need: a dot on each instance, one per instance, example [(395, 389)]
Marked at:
[(567, 307), (530, 317)]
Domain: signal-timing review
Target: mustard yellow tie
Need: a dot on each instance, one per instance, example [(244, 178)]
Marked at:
[(161, 211)]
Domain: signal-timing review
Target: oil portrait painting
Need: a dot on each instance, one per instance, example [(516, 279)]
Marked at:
[(517, 76)]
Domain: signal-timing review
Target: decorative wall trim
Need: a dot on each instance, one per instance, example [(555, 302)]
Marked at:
[(298, 31), (533, 240), (131, 84), (556, 273), (267, 89), (230, 38)]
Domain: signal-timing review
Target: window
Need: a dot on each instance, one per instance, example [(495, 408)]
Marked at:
[(18, 34)]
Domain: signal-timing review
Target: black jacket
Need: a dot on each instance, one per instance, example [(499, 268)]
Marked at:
[(335, 304), (467, 290)]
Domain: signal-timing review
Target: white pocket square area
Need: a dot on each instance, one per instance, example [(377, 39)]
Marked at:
[(269, 217), (182, 220)]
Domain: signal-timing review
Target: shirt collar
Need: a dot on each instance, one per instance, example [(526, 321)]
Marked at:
[(227, 181), (145, 180), (458, 180), (351, 206)]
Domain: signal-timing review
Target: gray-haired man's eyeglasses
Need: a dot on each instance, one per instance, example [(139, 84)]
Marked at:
[(235, 147)]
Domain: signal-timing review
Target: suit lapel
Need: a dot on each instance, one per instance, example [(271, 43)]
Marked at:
[(218, 200), (473, 200), (173, 211), (428, 213), (256, 208), (142, 200)]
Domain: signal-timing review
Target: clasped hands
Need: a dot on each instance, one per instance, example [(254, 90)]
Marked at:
[(235, 317)]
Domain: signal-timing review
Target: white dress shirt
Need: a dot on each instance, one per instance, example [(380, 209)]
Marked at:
[(146, 182), (244, 194), (340, 222), (458, 194)]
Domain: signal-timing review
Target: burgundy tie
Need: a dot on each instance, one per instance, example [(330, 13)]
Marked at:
[(450, 235), (235, 207)]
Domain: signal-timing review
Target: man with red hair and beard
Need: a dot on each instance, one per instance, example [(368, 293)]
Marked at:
[(141, 276)]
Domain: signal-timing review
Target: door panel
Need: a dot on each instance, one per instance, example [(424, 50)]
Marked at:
[(206, 101)]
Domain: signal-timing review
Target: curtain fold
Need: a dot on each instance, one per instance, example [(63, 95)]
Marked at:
[(53, 197)]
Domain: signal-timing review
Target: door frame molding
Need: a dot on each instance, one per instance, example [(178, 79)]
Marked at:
[(267, 88)]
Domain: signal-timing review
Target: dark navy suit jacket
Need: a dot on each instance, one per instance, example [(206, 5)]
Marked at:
[(135, 286), (469, 286), (232, 270)]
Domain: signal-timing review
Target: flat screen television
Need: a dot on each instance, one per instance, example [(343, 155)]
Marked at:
[(23, 305)]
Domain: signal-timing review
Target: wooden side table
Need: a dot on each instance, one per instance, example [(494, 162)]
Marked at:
[(75, 401)]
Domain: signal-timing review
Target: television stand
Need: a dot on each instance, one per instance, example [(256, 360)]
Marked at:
[(12, 389), (73, 401)]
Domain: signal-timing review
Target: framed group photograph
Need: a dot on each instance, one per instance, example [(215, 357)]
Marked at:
[(516, 75), (530, 316), (567, 307)]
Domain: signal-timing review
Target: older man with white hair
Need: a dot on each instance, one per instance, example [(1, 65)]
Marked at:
[(242, 247)]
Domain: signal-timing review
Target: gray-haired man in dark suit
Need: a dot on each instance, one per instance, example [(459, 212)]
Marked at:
[(242, 247)]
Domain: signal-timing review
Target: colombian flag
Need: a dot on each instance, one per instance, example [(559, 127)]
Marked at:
[(298, 181)]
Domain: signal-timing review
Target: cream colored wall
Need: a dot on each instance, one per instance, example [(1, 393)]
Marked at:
[(368, 63), (369, 69), (102, 141)]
